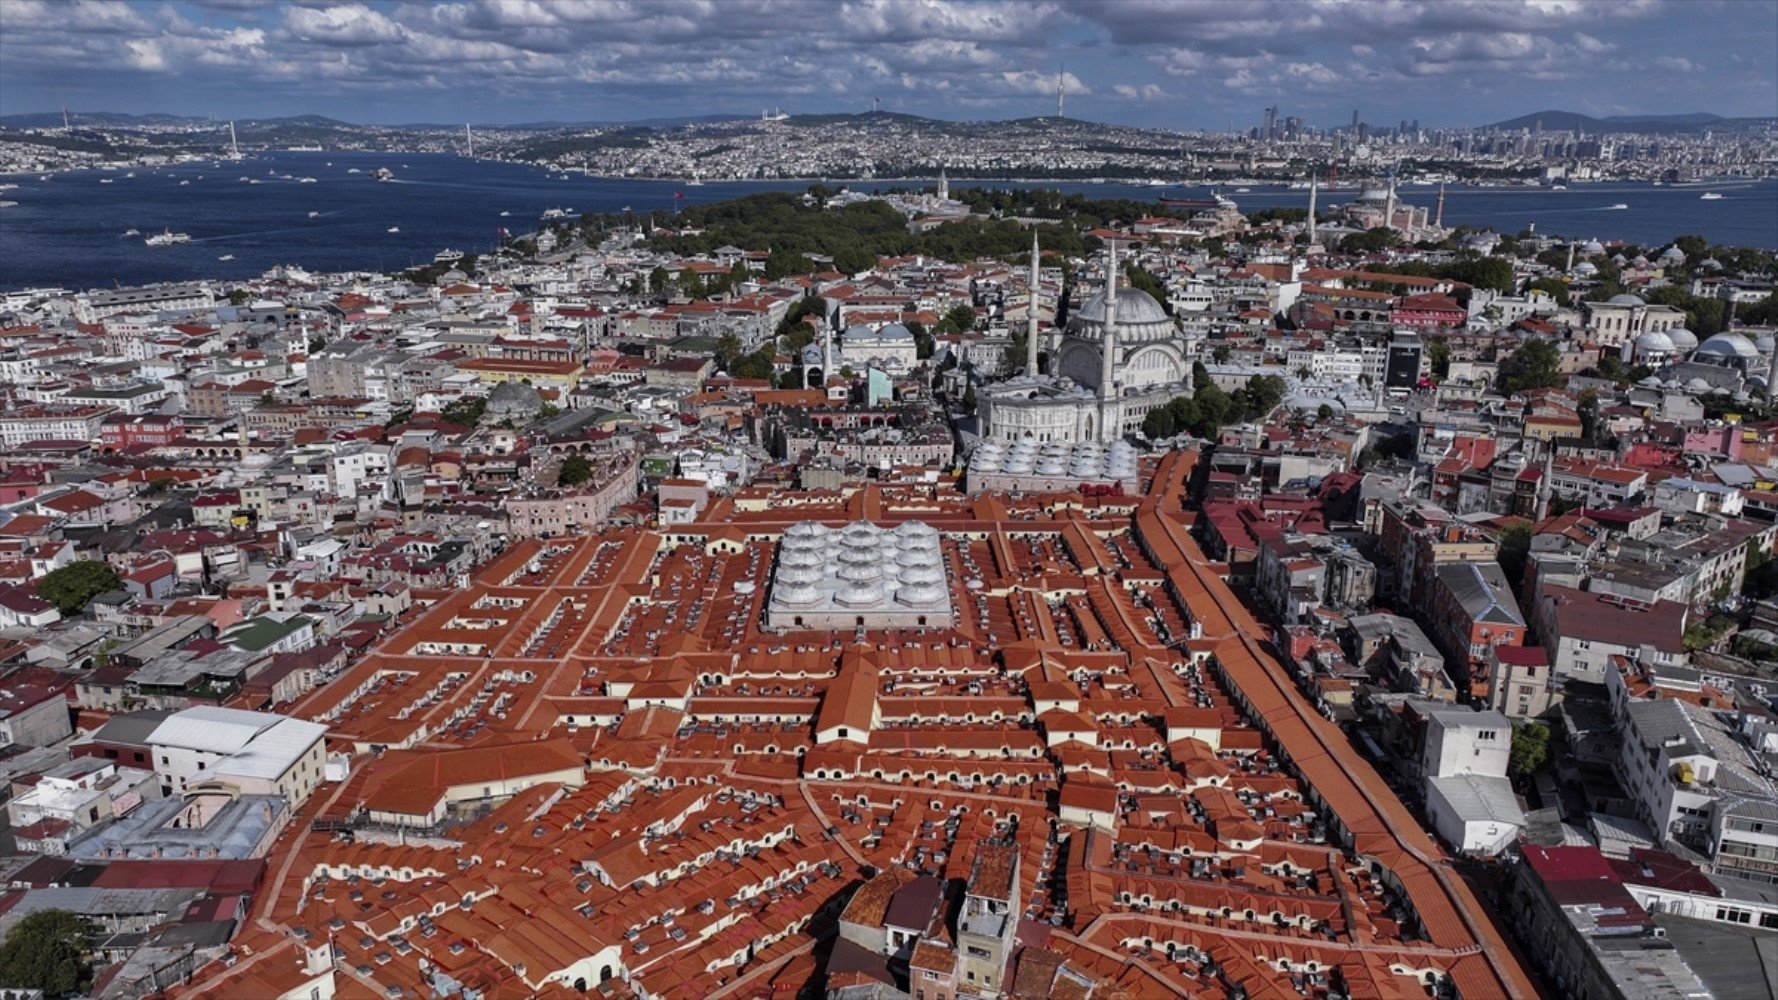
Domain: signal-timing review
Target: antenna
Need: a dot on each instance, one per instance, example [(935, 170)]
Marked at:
[(1061, 86), (876, 105), (65, 125)]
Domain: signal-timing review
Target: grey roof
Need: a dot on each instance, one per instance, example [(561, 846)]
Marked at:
[(1474, 797), (1483, 591), (132, 729)]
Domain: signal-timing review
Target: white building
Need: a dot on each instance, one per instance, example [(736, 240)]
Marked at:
[(1474, 814), (1461, 740), (256, 753)]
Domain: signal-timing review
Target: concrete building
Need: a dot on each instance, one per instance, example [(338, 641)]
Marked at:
[(253, 753)]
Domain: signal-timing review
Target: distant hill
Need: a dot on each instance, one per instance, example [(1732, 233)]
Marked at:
[(53, 119), (1572, 121)]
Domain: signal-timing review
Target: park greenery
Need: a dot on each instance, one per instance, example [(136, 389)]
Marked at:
[(852, 236), (73, 587), (1536, 364)]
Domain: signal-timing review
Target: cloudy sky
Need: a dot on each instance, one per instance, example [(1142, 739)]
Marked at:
[(1175, 63)]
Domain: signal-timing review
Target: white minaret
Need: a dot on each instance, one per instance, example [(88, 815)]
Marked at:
[(1107, 355), (1389, 209), (1061, 86), (1310, 222), (944, 186), (469, 140), (1031, 318)]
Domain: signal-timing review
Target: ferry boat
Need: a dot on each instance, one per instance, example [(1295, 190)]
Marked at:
[(1620, 206), (226, 256), (394, 229), (447, 256), (1710, 196), (383, 174), (505, 214), (106, 180), (167, 239), (305, 180)]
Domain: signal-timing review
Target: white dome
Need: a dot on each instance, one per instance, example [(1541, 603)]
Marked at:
[(1682, 338), (920, 593), (859, 595), (1135, 307), (1697, 385), (806, 529), (798, 593), (1625, 300), (1729, 345), (1654, 342), (1671, 253), (922, 574), (861, 572), (799, 574), (1592, 247)]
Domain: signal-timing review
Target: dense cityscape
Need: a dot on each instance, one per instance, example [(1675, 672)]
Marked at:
[(1019, 557)]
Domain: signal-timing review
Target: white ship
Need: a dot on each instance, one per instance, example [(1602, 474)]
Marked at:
[(394, 229), (447, 256), (226, 256), (383, 174), (1710, 196), (167, 239), (132, 232), (305, 180), (313, 215), (1620, 206)]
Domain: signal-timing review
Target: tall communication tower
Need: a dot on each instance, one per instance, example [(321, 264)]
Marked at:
[(1061, 87), (469, 140)]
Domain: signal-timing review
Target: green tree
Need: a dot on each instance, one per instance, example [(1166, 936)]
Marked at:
[(969, 399), (1324, 412), (1531, 749), (74, 585), (1535, 365), (465, 410), (45, 951), (1373, 240), (853, 260), (659, 279), (783, 263), (760, 364), (1158, 424), (1556, 289), (728, 351), (1438, 352), (960, 319), (576, 469)]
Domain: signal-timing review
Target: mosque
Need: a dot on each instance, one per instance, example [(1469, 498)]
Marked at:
[(1120, 357), (1727, 362)]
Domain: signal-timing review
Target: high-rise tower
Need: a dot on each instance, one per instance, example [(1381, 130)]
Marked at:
[(1108, 356), (1309, 223)]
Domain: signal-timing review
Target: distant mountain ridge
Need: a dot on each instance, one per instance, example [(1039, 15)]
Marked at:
[(1573, 121)]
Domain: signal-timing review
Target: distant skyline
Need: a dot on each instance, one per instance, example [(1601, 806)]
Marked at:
[(1166, 63)]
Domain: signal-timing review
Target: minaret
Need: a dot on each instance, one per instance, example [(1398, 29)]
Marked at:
[(944, 186), (827, 353), (1544, 482), (1438, 219), (1389, 206), (1107, 354), (469, 141), (1310, 222), (1031, 318), (1061, 83)]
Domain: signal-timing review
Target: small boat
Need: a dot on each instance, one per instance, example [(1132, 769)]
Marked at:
[(132, 232), (1242, 190), (505, 214), (130, 174), (314, 215), (330, 163), (244, 178), (106, 180), (255, 181), (226, 256), (1558, 187), (447, 256), (394, 229), (167, 239), (184, 183), (8, 204), (1620, 206), (8, 187), (305, 180), (383, 174), (1710, 196), (354, 170)]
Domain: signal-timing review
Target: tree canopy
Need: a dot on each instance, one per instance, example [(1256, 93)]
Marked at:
[(45, 951), (73, 586), (576, 469), (1535, 365)]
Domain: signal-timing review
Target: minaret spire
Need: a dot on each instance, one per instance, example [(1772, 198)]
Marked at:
[(1438, 219), (1310, 222), (1031, 314), (1061, 85), (1108, 355)]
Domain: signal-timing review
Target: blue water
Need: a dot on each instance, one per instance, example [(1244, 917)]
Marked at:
[(68, 230)]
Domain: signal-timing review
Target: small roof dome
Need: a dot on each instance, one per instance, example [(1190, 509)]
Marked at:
[(1697, 385), (1710, 264), (1625, 300), (1586, 267), (509, 399), (1682, 338), (1653, 342), (1729, 345), (1672, 253), (1592, 247)]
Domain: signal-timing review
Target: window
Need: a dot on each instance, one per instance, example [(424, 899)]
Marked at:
[(1488, 734)]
